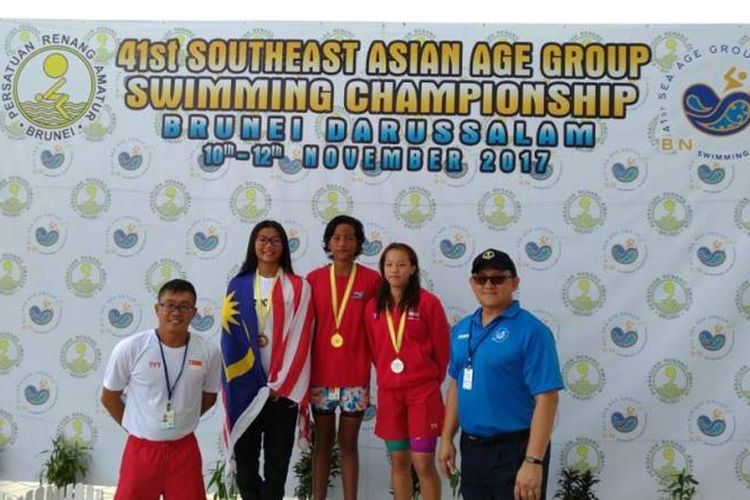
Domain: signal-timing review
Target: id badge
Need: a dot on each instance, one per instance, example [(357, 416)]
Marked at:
[(167, 419), (468, 378)]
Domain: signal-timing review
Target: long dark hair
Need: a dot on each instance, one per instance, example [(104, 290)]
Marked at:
[(410, 297), (251, 260), (356, 225)]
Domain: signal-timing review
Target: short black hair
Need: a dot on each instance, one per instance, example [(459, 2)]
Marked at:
[(359, 232), (177, 285)]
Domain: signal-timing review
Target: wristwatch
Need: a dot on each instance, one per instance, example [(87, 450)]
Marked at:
[(533, 460)]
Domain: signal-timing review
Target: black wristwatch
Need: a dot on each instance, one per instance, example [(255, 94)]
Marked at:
[(533, 460)]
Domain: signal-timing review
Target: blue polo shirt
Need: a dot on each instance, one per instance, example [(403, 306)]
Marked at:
[(513, 358)]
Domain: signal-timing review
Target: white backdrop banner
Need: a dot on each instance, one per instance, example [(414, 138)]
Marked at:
[(612, 162)]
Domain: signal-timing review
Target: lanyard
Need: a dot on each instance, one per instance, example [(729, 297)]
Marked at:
[(338, 312), (470, 351), (397, 338), (170, 389), (263, 305)]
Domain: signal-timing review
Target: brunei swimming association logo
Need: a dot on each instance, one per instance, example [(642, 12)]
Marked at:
[(741, 466), (162, 271), (499, 209), (666, 459), (78, 428), (414, 207), (80, 356), (584, 293), (8, 430), (742, 384), (331, 200), (582, 454), (250, 202), (11, 352), (584, 211), (670, 381), (53, 86), (669, 296), (584, 377)]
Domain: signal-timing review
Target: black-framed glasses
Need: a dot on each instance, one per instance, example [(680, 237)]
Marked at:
[(274, 242), (171, 307), (498, 279)]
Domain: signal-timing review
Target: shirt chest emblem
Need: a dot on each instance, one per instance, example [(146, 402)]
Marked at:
[(500, 334)]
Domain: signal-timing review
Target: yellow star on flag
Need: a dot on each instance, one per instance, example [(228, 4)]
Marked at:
[(229, 312)]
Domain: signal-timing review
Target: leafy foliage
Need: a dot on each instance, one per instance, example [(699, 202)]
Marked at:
[(223, 490), (67, 462), (682, 486), (576, 485), (455, 483), (303, 472)]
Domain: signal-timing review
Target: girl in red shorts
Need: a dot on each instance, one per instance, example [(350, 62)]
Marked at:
[(408, 334), (340, 375)]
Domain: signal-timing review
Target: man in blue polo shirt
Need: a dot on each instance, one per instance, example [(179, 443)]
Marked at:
[(503, 385)]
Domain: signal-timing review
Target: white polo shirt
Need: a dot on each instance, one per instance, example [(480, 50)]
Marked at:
[(136, 367)]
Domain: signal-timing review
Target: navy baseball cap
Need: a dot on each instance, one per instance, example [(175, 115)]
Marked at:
[(494, 259)]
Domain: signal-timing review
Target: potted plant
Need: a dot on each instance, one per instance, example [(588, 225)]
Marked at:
[(576, 485), (68, 461), (682, 486), (222, 489), (303, 472)]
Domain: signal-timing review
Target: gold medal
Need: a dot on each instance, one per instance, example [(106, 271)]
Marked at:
[(262, 341), (337, 340), (397, 366)]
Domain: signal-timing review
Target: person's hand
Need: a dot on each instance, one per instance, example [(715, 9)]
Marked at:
[(447, 457), (528, 482)]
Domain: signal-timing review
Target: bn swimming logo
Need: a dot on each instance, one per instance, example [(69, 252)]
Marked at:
[(52, 85)]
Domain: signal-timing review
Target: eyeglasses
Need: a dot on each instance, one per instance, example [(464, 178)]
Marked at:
[(171, 307), (274, 242), (481, 279)]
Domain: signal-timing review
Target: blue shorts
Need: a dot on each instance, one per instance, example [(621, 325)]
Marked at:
[(349, 399)]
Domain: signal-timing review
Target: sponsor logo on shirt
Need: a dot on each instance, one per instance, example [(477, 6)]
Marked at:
[(154, 364), (412, 315), (358, 295), (195, 363), (463, 336)]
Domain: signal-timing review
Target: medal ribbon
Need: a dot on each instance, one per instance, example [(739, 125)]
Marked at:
[(397, 338), (263, 305), (338, 312)]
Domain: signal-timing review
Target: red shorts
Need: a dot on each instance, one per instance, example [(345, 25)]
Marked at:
[(410, 412), (153, 468)]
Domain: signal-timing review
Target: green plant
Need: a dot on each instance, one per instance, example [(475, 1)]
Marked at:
[(303, 472), (576, 485), (222, 489), (682, 486), (68, 460), (455, 483)]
